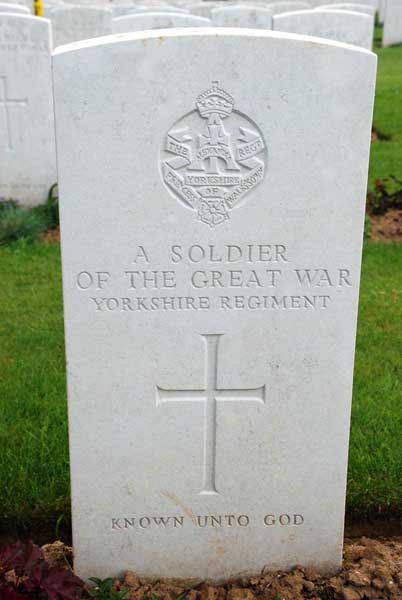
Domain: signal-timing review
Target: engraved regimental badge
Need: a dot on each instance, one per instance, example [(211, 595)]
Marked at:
[(213, 157)]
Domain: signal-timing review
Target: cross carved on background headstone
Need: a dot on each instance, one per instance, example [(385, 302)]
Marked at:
[(6, 102)]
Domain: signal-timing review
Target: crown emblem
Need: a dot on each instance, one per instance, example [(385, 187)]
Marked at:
[(215, 101)]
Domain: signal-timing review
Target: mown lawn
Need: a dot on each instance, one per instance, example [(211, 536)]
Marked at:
[(34, 480), (386, 154)]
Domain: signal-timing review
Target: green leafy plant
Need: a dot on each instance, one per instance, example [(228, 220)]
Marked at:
[(367, 228), (104, 590), (387, 194), (50, 210), (17, 223)]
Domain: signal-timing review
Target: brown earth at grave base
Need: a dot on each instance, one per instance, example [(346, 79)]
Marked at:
[(387, 228), (51, 236), (372, 570)]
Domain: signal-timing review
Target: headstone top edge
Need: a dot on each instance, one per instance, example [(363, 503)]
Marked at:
[(73, 7), (157, 12), (24, 16), (217, 32), (319, 11)]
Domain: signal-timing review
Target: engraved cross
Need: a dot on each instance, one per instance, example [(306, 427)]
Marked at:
[(7, 102), (211, 395)]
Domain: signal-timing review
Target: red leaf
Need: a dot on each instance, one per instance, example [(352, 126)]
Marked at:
[(20, 556), (36, 575), (8, 593), (61, 584)]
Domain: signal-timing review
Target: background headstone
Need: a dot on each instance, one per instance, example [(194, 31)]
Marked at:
[(364, 8), (242, 16), (280, 7), (157, 20), (392, 32), (121, 10), (27, 146), (74, 23), (26, 3), (381, 10), (14, 8), (338, 25), (203, 9), (211, 263), (318, 3)]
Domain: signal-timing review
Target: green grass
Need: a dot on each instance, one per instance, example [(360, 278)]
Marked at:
[(34, 479), (375, 465), (386, 155)]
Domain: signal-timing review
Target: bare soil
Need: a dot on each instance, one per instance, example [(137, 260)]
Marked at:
[(386, 228), (51, 236), (372, 570)]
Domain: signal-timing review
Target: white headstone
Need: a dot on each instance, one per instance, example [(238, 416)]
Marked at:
[(121, 10), (339, 25), (27, 146), (318, 3), (280, 7), (49, 6), (94, 3), (392, 32), (165, 9), (74, 23), (381, 10), (242, 16), (157, 20), (211, 266), (203, 9), (363, 8), (14, 8), (26, 3)]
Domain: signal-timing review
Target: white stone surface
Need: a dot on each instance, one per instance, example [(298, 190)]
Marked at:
[(318, 3), (392, 32), (339, 25), (14, 8), (48, 7), (74, 23), (381, 10), (157, 20), (27, 146), (203, 9), (95, 3), (26, 3), (280, 7), (363, 8), (121, 10), (211, 237), (242, 16)]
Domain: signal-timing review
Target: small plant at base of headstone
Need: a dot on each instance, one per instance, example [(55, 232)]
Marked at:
[(24, 573), (50, 209), (104, 589), (17, 222), (387, 194)]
